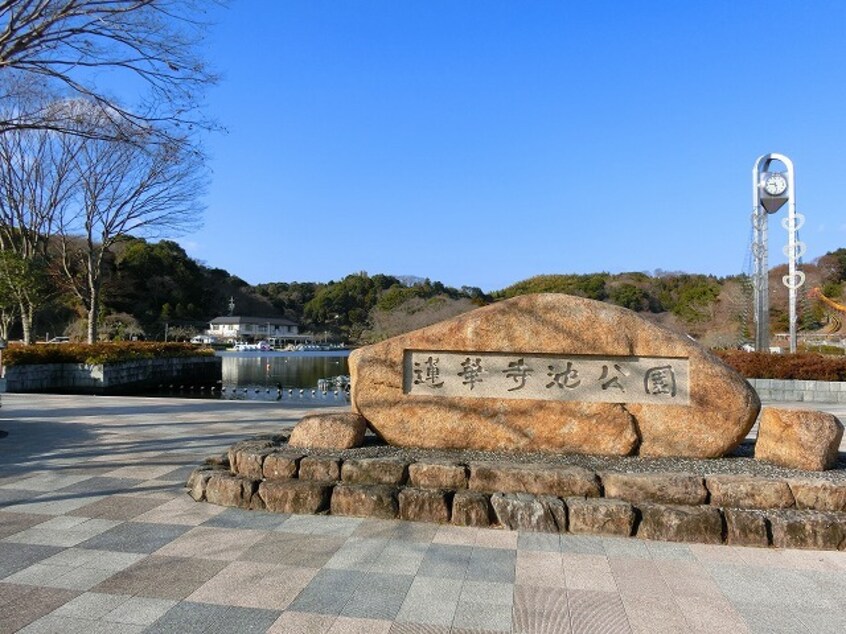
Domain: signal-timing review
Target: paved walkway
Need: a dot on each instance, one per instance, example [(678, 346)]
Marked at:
[(97, 535)]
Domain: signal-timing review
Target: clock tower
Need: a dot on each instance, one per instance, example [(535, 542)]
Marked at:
[(771, 190)]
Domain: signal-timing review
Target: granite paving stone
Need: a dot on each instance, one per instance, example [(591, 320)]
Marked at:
[(710, 614), (54, 503), (447, 561), (135, 537), (771, 619), (248, 520), (91, 605), (487, 564), (653, 614), (592, 611), (828, 621), (211, 543), (12, 498), (63, 531), (583, 544), (98, 486), (292, 622), (482, 616), (12, 523), (401, 558), (431, 601), (189, 618), (353, 625), (117, 507), (358, 554), (549, 542), (105, 518), (637, 576), (329, 591), (534, 568), (182, 510), (32, 606), (588, 572), (379, 596), (539, 609), (15, 557), (162, 577), (254, 585)]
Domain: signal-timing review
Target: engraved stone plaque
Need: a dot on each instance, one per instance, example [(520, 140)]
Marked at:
[(547, 377)]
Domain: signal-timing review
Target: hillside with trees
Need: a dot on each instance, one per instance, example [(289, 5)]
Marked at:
[(150, 288)]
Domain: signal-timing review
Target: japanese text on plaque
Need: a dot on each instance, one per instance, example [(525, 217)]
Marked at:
[(599, 379)]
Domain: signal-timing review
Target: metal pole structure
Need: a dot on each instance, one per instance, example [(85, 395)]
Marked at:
[(769, 197), (794, 250), (760, 276)]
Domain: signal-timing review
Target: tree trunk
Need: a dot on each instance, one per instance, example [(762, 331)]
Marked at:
[(26, 323), (93, 294), (92, 320)]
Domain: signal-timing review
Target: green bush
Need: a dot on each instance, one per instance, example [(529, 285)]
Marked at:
[(97, 353), (806, 366)]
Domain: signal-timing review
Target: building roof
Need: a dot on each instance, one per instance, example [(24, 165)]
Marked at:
[(237, 320)]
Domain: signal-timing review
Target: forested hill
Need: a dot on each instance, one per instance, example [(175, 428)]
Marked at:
[(148, 285)]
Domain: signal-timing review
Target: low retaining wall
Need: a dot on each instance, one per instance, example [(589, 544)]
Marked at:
[(789, 512), (112, 377), (807, 391)]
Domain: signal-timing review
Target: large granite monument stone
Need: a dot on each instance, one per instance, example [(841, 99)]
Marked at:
[(552, 372)]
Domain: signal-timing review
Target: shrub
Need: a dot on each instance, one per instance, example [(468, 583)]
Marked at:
[(807, 366), (96, 353)]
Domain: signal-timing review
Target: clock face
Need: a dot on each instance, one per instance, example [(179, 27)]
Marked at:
[(775, 184)]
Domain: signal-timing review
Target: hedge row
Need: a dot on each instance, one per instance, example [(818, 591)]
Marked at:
[(98, 353), (806, 366)]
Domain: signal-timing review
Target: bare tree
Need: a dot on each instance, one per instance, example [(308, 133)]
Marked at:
[(141, 187), (72, 44), (36, 184)]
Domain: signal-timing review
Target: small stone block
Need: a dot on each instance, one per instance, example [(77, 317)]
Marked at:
[(670, 523), (374, 471), (807, 529), (219, 460), (745, 527), (295, 496), (659, 488), (534, 479), (364, 501), (198, 480), (748, 492), (281, 464), (600, 515), (230, 490), (334, 430), (246, 457), (798, 439), (521, 511), (424, 505), (430, 475), (321, 468), (818, 495), (470, 508)]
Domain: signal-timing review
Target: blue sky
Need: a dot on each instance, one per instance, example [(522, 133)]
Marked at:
[(481, 143)]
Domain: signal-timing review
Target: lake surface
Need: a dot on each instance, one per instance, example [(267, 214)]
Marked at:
[(274, 376)]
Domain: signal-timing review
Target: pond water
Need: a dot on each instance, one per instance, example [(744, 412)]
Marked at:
[(274, 376)]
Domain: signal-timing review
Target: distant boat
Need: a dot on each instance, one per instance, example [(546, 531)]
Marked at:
[(341, 382), (261, 346)]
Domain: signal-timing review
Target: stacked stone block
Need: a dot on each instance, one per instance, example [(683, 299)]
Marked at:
[(266, 473)]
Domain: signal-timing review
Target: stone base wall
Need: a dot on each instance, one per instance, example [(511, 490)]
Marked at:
[(806, 391), (720, 509), (112, 377)]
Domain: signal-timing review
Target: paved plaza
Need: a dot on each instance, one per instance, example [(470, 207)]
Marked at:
[(98, 535)]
